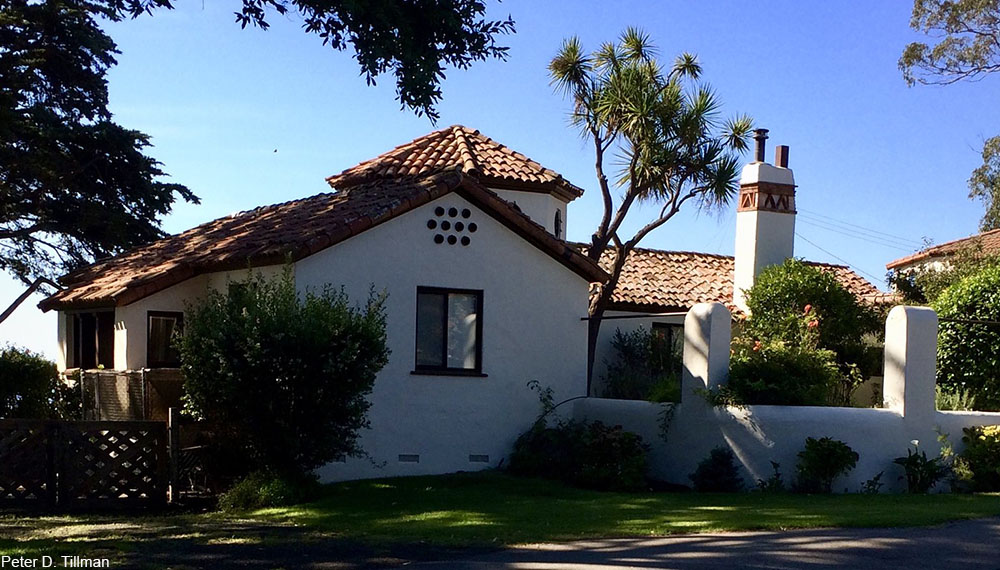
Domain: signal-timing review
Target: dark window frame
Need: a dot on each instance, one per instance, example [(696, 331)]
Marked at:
[(178, 317), (672, 333), (446, 370), (96, 329)]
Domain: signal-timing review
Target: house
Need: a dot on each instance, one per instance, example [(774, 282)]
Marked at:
[(936, 257), (450, 225)]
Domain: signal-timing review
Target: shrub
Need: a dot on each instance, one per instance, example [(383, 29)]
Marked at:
[(921, 473), (804, 321), (779, 297), (951, 399), (874, 485), (30, 387), (969, 353), (717, 473), (645, 366), (774, 372), (591, 455), (284, 378), (262, 489), (981, 457), (820, 462), (774, 483)]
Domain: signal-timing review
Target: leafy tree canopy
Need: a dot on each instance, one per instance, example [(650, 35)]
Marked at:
[(31, 388), (967, 48), (414, 39), (74, 185), (665, 129), (285, 378)]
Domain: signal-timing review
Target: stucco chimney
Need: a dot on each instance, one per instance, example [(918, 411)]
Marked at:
[(765, 218)]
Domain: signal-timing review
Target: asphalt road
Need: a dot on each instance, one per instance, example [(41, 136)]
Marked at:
[(966, 545)]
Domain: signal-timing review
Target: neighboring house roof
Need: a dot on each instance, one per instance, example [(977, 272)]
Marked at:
[(663, 281), (472, 153), (271, 234), (988, 242)]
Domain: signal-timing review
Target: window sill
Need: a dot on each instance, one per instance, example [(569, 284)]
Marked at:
[(443, 372)]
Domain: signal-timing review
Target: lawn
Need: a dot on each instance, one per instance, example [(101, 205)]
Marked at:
[(417, 517)]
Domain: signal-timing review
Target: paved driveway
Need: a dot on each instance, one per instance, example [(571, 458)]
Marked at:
[(964, 545)]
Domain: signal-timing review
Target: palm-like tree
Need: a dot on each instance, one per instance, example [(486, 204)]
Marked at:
[(665, 131)]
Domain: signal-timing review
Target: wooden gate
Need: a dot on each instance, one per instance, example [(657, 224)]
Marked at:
[(47, 463)]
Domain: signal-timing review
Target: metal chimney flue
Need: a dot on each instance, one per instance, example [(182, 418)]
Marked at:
[(760, 135)]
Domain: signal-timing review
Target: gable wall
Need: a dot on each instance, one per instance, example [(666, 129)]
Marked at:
[(538, 206), (532, 330)]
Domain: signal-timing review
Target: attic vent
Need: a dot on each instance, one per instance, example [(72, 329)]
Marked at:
[(451, 225)]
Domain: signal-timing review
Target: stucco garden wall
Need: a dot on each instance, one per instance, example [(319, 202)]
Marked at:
[(761, 434)]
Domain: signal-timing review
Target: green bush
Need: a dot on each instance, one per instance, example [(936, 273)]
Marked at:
[(284, 378), (820, 462), (804, 321), (774, 483), (969, 353), (262, 489), (591, 455), (778, 301), (981, 458), (778, 373), (30, 387), (921, 473), (951, 399), (718, 473), (645, 366)]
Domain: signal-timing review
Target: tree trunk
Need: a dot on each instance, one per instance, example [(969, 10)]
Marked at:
[(596, 314)]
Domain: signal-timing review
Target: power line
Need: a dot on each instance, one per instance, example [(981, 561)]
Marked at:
[(838, 258), (853, 225), (866, 232), (861, 237)]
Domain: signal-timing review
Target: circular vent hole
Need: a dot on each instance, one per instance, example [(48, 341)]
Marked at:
[(431, 224), (438, 238)]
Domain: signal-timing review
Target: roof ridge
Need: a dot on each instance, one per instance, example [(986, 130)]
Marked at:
[(467, 154)]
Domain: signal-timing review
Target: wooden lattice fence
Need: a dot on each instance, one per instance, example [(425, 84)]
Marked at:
[(46, 463)]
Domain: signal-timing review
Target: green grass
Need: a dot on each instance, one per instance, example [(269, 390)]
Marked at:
[(364, 519), (490, 508)]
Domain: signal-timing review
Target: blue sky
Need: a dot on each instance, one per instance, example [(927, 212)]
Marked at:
[(247, 117)]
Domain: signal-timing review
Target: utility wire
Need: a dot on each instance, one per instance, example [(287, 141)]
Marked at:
[(821, 215), (833, 226), (841, 259), (855, 235)]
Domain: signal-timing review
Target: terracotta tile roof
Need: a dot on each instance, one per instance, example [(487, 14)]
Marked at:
[(270, 234), (664, 281), (474, 154), (988, 242)]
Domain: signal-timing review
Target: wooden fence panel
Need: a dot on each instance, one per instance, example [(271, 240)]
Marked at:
[(83, 463), (27, 474)]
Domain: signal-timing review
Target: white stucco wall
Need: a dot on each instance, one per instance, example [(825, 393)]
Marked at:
[(531, 331), (539, 206), (761, 434)]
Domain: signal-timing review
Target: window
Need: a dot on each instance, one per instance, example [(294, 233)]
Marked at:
[(92, 340), (558, 224), (160, 330), (668, 347), (449, 331)]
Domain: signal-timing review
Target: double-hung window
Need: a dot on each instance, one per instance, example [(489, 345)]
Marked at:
[(449, 331)]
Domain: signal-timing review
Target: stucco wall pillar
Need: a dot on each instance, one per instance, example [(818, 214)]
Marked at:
[(910, 360), (707, 332)]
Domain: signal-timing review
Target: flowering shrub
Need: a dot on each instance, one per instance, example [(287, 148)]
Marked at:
[(808, 340)]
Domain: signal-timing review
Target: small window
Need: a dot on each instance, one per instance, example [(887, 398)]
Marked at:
[(668, 347), (160, 349), (558, 224), (92, 338), (449, 330)]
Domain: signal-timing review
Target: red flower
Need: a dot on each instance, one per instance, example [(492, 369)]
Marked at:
[(756, 346), (813, 324), (808, 308)]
